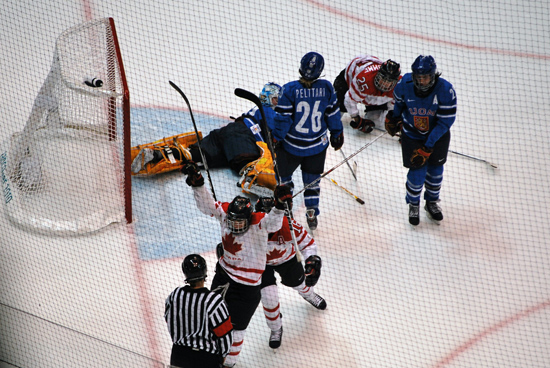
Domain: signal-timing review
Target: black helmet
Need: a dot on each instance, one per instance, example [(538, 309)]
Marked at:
[(264, 204), (387, 76), (194, 268), (239, 214)]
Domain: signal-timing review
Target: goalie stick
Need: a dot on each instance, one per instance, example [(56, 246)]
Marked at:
[(339, 164), (198, 137), (242, 93)]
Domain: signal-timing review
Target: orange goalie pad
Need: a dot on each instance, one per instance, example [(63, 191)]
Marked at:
[(259, 173), (183, 140)]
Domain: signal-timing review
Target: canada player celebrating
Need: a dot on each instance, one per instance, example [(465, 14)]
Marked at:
[(244, 236), (282, 258)]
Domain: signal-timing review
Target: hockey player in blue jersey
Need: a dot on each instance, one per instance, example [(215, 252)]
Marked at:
[(424, 111), (307, 110)]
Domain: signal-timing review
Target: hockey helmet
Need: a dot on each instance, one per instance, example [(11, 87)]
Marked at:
[(194, 268), (312, 66), (264, 204), (387, 76), (424, 73), (269, 92), (239, 214)]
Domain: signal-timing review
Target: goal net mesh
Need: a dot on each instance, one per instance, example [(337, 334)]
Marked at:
[(65, 171)]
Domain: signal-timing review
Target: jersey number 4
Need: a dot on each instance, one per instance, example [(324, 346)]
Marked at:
[(316, 117)]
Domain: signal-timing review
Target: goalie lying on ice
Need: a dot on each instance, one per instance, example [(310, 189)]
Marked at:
[(240, 145)]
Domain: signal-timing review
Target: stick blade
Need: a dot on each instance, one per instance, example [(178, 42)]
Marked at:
[(243, 93)]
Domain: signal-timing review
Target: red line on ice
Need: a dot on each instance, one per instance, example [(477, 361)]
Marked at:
[(424, 37), (488, 331)]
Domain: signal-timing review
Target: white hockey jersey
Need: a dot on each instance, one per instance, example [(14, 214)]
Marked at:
[(281, 247), (244, 257), (360, 74)]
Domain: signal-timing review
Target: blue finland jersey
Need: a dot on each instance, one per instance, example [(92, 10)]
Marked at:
[(254, 124), (304, 115), (427, 118)]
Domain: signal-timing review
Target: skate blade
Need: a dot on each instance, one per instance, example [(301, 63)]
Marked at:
[(432, 220)]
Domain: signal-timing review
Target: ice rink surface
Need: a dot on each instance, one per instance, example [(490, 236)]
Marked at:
[(471, 292)]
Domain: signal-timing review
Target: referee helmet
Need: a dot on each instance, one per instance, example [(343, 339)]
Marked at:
[(194, 268)]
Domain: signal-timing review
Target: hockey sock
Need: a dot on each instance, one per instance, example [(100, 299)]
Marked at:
[(270, 302)]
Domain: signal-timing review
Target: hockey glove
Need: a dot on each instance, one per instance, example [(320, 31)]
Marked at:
[(337, 142), (219, 250), (364, 125), (194, 176), (312, 270), (393, 124), (283, 195), (420, 156)]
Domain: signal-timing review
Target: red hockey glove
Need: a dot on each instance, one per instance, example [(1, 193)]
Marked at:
[(194, 176), (420, 156), (393, 124), (364, 125), (337, 142), (312, 270), (282, 195)]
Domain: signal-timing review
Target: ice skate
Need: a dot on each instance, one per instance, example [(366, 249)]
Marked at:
[(317, 301), (433, 211), (311, 219), (414, 215), (275, 338)]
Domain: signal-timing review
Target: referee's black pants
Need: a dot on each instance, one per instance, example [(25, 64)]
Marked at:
[(186, 357)]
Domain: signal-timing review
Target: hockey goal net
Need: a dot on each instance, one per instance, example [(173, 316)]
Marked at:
[(65, 172)]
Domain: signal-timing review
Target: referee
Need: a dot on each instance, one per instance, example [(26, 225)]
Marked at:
[(198, 320)]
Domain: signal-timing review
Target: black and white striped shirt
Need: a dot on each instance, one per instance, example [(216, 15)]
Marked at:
[(199, 319)]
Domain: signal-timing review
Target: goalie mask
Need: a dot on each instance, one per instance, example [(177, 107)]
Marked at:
[(387, 76), (194, 268), (239, 214), (264, 204), (269, 92)]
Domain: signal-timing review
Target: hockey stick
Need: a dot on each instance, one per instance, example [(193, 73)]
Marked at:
[(352, 170), (242, 93), (339, 164), (198, 137), (347, 191), (494, 166)]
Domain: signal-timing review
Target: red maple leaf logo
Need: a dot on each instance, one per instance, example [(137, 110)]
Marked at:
[(229, 244), (274, 254)]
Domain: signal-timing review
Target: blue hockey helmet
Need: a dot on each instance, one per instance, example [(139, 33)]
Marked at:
[(269, 92), (194, 268), (312, 66), (424, 70)]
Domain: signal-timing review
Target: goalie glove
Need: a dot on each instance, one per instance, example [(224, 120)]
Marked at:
[(393, 124), (312, 270), (194, 176)]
